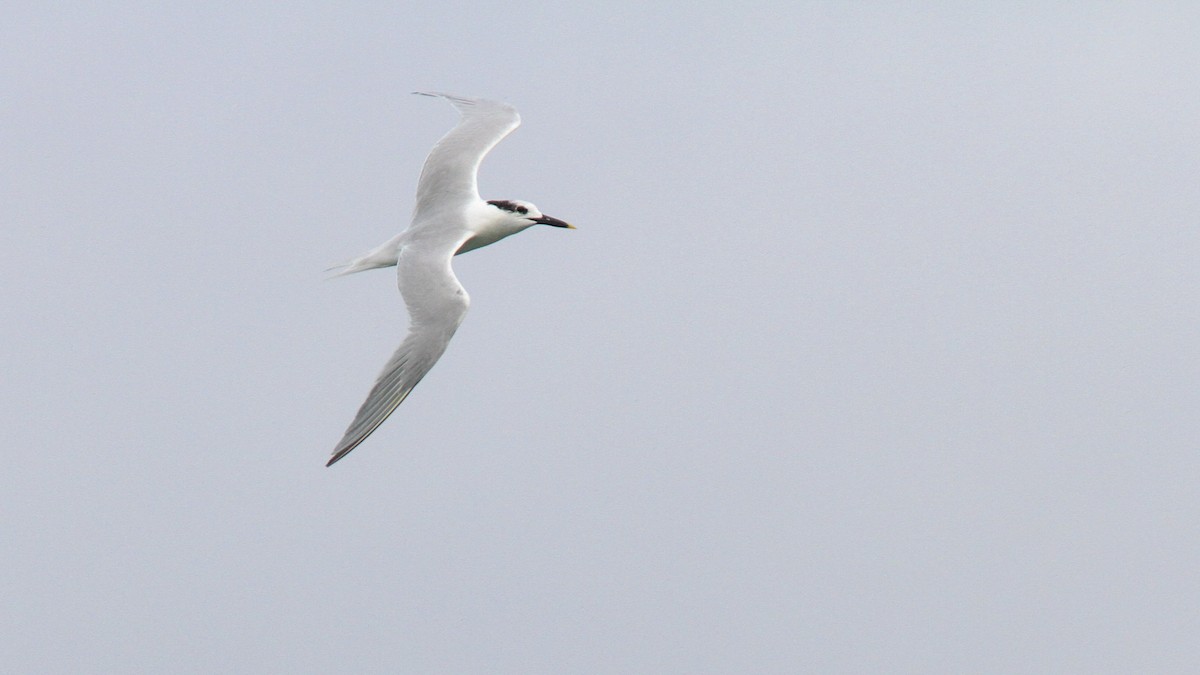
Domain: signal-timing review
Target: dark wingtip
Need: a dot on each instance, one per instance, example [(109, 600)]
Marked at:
[(346, 450)]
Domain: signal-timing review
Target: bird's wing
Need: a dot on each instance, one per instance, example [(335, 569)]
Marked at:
[(448, 177), (436, 305)]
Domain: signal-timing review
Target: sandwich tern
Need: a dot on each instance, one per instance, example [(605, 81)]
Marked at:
[(449, 218)]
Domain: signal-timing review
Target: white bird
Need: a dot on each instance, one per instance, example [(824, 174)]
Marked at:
[(449, 218)]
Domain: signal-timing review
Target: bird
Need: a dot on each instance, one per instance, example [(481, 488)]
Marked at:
[(449, 218)]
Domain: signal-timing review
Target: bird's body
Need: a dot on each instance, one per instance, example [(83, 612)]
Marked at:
[(449, 218)]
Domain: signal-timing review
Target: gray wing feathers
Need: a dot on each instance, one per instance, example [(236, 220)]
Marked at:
[(403, 371), (448, 177), (436, 304)]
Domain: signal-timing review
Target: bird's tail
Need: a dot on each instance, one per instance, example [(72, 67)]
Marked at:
[(384, 255)]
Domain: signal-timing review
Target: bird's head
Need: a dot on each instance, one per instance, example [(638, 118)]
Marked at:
[(527, 214)]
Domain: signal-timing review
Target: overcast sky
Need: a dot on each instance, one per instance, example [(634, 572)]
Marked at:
[(876, 349)]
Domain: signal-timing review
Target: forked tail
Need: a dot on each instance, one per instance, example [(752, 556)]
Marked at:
[(384, 255)]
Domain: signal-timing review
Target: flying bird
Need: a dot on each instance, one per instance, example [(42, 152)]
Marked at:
[(449, 218)]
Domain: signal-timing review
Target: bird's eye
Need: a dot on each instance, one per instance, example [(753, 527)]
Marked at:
[(522, 209)]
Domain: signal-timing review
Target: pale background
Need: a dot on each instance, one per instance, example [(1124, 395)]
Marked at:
[(876, 349)]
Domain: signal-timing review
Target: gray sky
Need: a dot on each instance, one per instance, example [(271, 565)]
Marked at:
[(876, 349)]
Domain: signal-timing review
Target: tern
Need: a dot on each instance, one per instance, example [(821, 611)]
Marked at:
[(449, 218)]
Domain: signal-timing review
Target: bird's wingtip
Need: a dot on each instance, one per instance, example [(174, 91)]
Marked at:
[(344, 450), (453, 98), (460, 102)]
